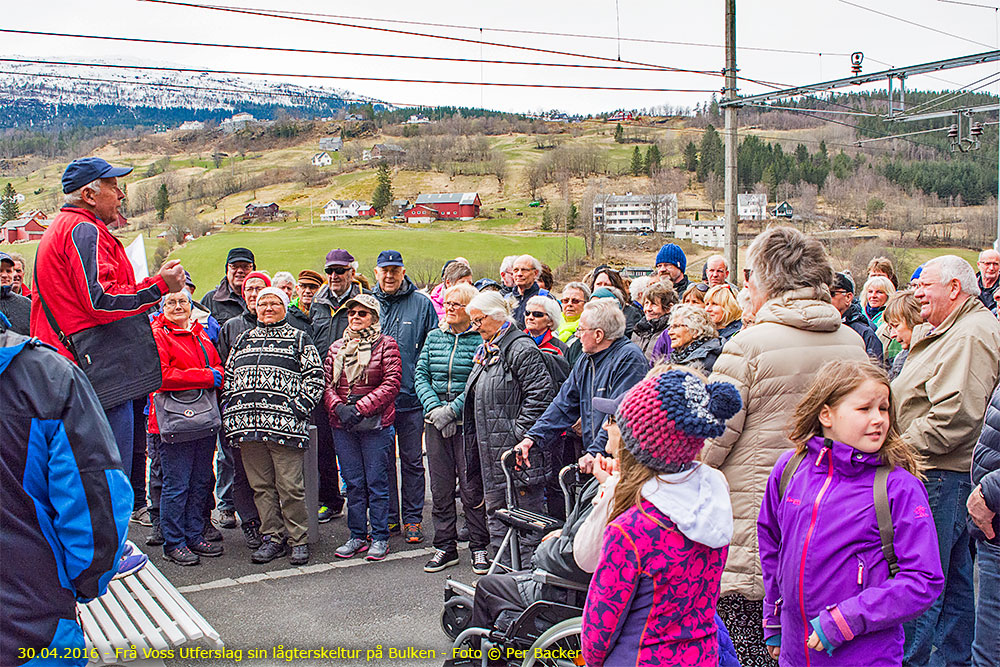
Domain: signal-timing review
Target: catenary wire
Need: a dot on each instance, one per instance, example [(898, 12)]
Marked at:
[(914, 23)]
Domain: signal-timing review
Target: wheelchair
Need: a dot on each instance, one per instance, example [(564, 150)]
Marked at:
[(547, 632)]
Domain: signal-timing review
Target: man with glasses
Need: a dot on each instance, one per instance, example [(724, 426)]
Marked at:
[(408, 316), (989, 277), (611, 365), (226, 300), (941, 395), (853, 315), (329, 319), (525, 270)]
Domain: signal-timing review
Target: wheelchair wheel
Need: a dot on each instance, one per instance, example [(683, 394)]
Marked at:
[(456, 616), (559, 646)]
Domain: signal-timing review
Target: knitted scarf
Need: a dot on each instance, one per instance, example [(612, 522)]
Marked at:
[(489, 351), (355, 354), (683, 354)]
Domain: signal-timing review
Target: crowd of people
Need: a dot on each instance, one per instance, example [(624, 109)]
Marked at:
[(786, 469)]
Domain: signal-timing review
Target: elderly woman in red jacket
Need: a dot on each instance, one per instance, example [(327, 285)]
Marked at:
[(188, 361), (363, 373)]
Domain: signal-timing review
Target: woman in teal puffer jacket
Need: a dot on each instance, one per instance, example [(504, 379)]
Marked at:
[(443, 368)]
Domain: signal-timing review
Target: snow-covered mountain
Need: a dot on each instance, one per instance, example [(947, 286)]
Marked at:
[(32, 94)]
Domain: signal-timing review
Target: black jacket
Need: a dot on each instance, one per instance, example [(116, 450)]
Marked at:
[(407, 316), (223, 302), (329, 317), (856, 319), (17, 309), (988, 295), (986, 464), (633, 315), (64, 500), (647, 332), (503, 400)]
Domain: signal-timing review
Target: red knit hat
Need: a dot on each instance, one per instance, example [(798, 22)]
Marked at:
[(255, 274)]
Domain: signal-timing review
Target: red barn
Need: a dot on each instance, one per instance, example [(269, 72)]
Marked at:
[(420, 213), (452, 205), (365, 210), (28, 227)]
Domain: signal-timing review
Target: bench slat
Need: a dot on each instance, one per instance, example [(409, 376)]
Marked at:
[(177, 613), (133, 636), (152, 607), (149, 630), (207, 631), (94, 634), (111, 632)]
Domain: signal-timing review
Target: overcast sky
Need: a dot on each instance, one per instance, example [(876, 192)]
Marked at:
[(831, 27)]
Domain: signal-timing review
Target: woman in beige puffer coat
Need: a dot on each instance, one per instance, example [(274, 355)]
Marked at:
[(772, 363)]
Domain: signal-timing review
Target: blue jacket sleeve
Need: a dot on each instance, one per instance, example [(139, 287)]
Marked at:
[(562, 412), (628, 373), (89, 493), (991, 489)]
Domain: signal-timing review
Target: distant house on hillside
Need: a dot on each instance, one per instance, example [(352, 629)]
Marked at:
[(417, 119), (192, 125), (619, 116), (365, 210), (236, 122), (256, 212), (783, 210), (331, 144), (340, 209), (29, 227), (751, 206), (420, 213), (452, 205), (398, 207), (390, 152), (709, 233), (635, 213), (322, 159)]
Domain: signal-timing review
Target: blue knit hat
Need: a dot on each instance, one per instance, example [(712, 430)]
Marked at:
[(916, 274), (666, 418), (671, 253)]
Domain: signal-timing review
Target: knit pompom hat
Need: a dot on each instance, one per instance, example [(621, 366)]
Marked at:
[(665, 419)]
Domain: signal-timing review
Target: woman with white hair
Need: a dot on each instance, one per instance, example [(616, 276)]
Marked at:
[(694, 340), (507, 391), (541, 319), (772, 363), (190, 364), (274, 380), (574, 297)]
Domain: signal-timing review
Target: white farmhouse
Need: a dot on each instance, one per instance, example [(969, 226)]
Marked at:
[(322, 159), (709, 233), (635, 213), (340, 209), (751, 206)]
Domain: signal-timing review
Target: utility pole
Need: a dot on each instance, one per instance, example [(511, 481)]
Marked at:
[(732, 231)]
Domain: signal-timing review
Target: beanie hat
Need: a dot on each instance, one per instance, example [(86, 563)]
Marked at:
[(665, 419), (255, 274), (671, 253), (276, 291), (843, 281)]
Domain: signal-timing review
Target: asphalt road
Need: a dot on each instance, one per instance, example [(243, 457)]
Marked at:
[(352, 605)]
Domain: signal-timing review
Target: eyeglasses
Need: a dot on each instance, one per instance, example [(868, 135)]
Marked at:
[(580, 329), (677, 326), (339, 270), (535, 313), (838, 291), (453, 304), (353, 312), (477, 321), (569, 299)]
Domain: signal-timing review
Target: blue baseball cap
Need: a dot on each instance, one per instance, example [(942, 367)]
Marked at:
[(389, 258), (87, 170), (4, 257)]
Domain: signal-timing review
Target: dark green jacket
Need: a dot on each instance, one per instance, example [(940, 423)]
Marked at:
[(444, 366)]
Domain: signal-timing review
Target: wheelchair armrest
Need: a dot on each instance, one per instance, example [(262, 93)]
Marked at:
[(543, 577)]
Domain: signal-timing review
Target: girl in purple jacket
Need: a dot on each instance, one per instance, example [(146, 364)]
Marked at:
[(829, 596)]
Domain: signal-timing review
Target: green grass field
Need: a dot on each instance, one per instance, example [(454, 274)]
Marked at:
[(424, 250)]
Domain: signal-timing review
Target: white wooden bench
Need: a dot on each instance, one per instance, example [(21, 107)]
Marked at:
[(145, 611)]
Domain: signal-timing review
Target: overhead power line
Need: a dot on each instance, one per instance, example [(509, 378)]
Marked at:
[(341, 77), (914, 23), (287, 49)]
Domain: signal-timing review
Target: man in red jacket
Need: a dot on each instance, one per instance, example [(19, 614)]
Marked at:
[(86, 278)]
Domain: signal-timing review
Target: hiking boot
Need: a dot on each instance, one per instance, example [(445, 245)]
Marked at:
[(268, 551), (227, 519), (327, 513), (132, 561), (181, 556), (351, 547), (211, 533), (155, 538), (300, 554), (141, 517), (441, 559), (378, 550), (206, 548), (251, 535), (414, 534), (480, 561)]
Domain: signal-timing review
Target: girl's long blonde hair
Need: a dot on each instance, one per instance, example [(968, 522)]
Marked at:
[(834, 381)]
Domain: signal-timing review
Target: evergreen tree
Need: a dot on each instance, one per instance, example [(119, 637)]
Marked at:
[(161, 202), (9, 210), (770, 180), (691, 156), (619, 134), (637, 166), (652, 159), (712, 155), (572, 217), (382, 196), (547, 225)]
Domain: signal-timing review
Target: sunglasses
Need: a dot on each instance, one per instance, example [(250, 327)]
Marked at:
[(354, 312), (535, 313), (339, 270)]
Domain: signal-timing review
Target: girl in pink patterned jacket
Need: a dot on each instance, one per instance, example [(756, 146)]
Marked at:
[(653, 596)]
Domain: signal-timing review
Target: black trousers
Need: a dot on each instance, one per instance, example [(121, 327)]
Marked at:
[(326, 453), (495, 594), (137, 475), (446, 465)]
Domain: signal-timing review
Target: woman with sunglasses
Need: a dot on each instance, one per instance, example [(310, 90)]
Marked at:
[(575, 296), (541, 318), (363, 371)]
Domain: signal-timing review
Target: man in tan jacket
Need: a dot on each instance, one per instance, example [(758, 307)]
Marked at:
[(941, 396)]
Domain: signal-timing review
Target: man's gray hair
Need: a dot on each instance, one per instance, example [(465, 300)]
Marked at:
[(550, 307), (637, 288), (605, 315), (282, 277), (695, 318), (577, 285), (535, 264), (783, 259), (953, 267), (507, 263), (491, 304), (75, 198), (717, 257)]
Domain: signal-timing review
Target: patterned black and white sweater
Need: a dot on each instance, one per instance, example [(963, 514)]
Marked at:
[(274, 379)]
